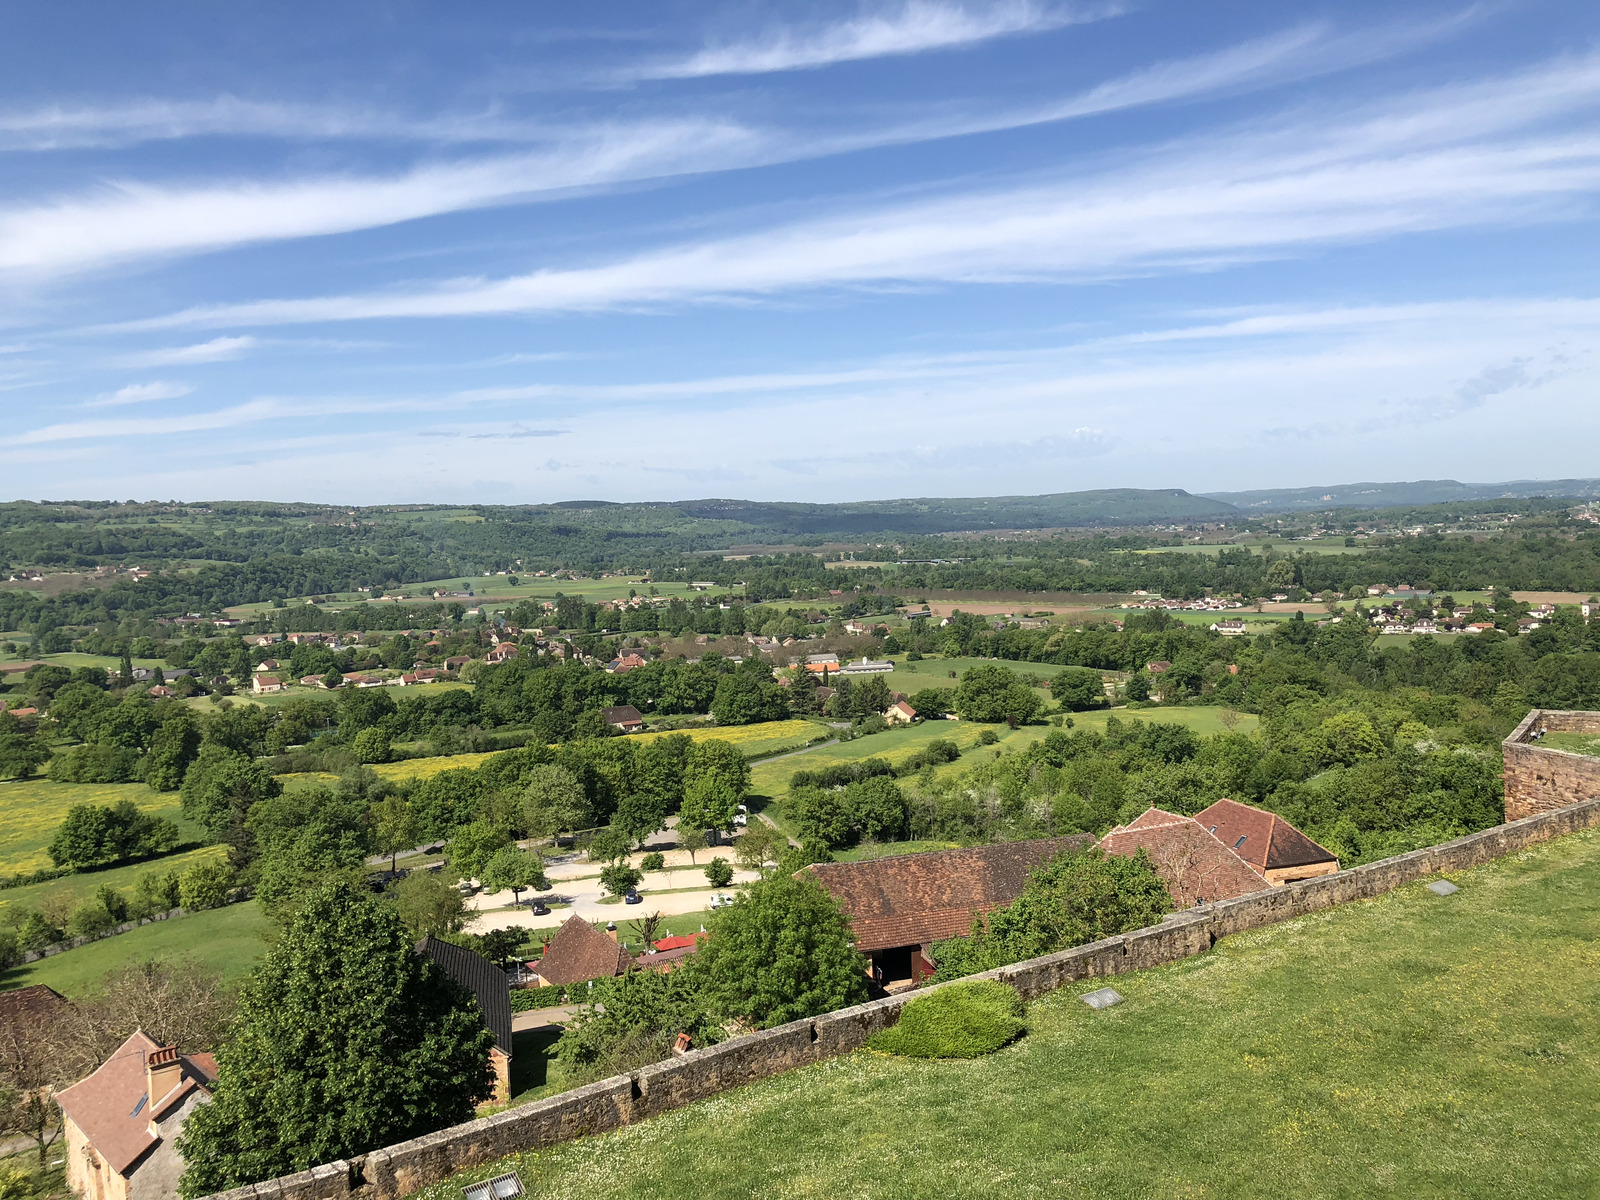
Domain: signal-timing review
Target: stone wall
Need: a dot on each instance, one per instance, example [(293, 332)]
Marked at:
[(1541, 779), (399, 1170)]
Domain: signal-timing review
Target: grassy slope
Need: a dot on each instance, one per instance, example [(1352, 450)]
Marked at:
[(1409, 1046), (30, 813), (73, 888), (229, 939)]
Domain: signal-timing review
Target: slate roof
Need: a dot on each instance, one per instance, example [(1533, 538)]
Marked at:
[(482, 978), (579, 952), (1196, 867), (914, 899), (1263, 839), (113, 1109)]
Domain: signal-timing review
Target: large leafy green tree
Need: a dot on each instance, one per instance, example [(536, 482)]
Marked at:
[(992, 693), (782, 951), (346, 1040), (1077, 689), (173, 747), (93, 835), (222, 785)]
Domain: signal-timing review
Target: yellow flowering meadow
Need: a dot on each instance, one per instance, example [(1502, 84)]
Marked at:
[(32, 810)]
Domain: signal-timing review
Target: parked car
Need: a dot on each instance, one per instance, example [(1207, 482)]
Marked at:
[(633, 898), (540, 908), (721, 900)]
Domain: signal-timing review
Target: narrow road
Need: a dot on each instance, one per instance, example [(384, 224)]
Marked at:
[(805, 750)]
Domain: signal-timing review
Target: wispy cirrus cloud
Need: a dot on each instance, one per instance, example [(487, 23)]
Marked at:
[(220, 349), (916, 27), (129, 220), (141, 393), (1236, 197)]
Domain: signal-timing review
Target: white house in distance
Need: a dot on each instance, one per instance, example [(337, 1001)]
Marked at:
[(1228, 628), (867, 667)]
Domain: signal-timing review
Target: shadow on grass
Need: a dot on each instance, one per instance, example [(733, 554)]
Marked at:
[(533, 1065)]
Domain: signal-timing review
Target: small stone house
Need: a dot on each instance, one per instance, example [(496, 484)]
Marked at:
[(1196, 866), (624, 717), (122, 1122), (899, 906), (579, 952), (1275, 848)]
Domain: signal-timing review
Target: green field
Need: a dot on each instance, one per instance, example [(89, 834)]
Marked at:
[(1409, 1046), (31, 811), (230, 940), (909, 677), (67, 891), (74, 660), (771, 779)]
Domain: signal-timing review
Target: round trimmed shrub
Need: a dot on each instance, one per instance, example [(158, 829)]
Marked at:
[(961, 1020)]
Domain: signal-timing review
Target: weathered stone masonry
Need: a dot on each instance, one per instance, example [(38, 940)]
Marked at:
[(399, 1170), (1541, 779)]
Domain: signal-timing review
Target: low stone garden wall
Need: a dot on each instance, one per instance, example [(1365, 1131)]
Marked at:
[(1541, 778), (399, 1170)]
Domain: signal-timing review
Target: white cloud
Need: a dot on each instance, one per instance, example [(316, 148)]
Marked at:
[(254, 410), (141, 393), (916, 27), (1242, 196), (127, 220), (221, 349)]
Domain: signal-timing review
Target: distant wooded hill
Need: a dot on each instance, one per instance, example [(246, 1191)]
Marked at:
[(1391, 495)]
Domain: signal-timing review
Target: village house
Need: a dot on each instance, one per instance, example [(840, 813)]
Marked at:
[(1229, 628), (900, 713), (899, 906), (456, 663), (267, 664), (624, 717), (1272, 846), (489, 984), (420, 675), (262, 684), (1196, 866), (626, 661), (579, 952), (504, 652), (122, 1122)]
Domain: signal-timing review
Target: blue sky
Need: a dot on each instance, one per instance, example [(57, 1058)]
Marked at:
[(527, 252)]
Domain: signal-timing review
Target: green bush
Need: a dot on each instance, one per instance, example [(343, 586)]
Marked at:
[(654, 861), (962, 1020), (528, 999)]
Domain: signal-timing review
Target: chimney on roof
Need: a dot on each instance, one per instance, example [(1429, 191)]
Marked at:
[(163, 1071), (611, 930)]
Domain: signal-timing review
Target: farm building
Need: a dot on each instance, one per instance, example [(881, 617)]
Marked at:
[(900, 906), (1196, 866), (1275, 848), (625, 717), (579, 952)]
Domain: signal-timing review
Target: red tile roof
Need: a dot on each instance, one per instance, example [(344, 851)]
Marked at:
[(1263, 839), (679, 941), (914, 899), (1195, 866), (579, 952), (113, 1108)]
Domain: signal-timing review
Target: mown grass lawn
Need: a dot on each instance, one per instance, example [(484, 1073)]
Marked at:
[(32, 810), (230, 940), (1409, 1046)]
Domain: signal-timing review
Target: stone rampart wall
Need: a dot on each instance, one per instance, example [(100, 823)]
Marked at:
[(399, 1170), (1542, 779)]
